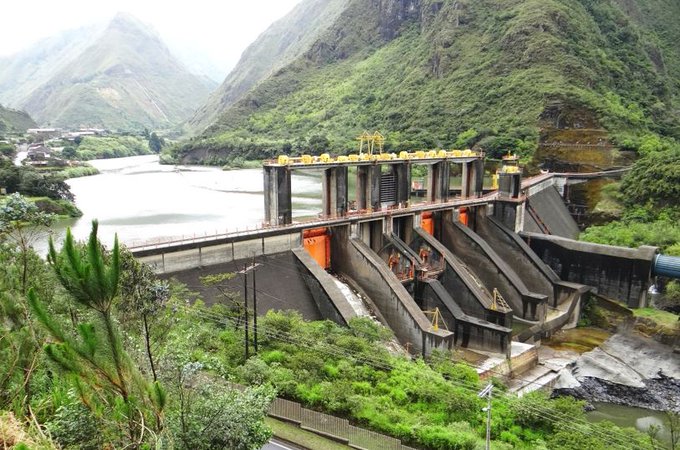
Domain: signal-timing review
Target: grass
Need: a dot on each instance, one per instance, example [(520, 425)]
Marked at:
[(663, 318), (580, 340), (298, 436)]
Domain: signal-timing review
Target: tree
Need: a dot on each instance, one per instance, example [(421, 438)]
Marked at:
[(21, 224), (216, 416), (318, 144), (673, 423), (654, 180), (143, 296), (105, 377), (69, 152), (155, 143), (7, 150)]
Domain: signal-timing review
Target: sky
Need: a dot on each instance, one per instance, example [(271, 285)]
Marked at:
[(218, 29)]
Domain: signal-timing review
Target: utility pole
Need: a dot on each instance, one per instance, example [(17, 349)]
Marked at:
[(245, 295), (254, 309), (486, 392)]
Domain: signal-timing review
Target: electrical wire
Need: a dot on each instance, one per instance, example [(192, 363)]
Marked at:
[(618, 439)]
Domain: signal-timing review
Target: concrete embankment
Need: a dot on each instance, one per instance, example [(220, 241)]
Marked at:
[(626, 369), (620, 273), (353, 259), (332, 303), (469, 332), (471, 295), (493, 271), (546, 213)]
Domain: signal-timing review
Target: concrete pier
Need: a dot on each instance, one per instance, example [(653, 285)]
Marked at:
[(334, 191), (278, 206)]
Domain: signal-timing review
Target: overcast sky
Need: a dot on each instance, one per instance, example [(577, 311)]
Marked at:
[(221, 29)]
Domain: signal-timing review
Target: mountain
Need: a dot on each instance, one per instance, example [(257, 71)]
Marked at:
[(13, 121), (498, 74), (281, 43), (121, 76), (24, 72)]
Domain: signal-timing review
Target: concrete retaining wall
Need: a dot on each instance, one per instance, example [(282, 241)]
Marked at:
[(328, 298), (620, 273), (203, 254), (355, 260), (492, 271)]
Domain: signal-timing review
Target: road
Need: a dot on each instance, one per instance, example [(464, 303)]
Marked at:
[(273, 445)]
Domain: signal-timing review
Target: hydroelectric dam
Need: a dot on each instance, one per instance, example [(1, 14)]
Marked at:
[(491, 273)]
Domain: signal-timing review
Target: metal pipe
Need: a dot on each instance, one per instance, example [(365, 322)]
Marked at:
[(666, 266)]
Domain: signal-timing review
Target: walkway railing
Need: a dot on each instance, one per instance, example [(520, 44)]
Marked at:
[(308, 223), (334, 427), (330, 426)]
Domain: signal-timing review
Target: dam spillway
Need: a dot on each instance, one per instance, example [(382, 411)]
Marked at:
[(458, 257)]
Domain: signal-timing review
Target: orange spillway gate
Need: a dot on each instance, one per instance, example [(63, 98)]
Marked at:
[(317, 242), (427, 223), (463, 216)]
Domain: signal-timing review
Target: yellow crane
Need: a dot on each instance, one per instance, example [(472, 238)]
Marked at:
[(371, 141)]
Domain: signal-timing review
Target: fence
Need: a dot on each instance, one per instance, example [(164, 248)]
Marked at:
[(334, 427)]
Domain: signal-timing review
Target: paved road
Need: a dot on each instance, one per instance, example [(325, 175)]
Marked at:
[(273, 445)]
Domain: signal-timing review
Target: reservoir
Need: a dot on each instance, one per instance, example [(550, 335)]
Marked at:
[(145, 202)]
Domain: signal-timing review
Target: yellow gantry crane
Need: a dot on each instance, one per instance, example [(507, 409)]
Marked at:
[(371, 141)]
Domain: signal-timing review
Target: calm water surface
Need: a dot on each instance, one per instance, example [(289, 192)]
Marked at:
[(144, 201), (628, 416)]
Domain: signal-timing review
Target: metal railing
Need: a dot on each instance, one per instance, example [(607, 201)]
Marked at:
[(334, 427)]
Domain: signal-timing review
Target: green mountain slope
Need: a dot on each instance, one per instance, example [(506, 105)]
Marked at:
[(125, 79), (281, 43), (13, 121), (424, 71), (22, 73)]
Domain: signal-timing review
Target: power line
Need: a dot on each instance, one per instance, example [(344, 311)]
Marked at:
[(616, 438), (619, 439)]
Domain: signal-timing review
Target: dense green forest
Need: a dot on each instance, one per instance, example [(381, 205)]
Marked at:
[(107, 147), (501, 72)]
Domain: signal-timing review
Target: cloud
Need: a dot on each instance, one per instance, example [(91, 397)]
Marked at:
[(221, 30)]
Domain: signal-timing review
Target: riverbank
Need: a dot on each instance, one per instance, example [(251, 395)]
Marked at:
[(627, 369)]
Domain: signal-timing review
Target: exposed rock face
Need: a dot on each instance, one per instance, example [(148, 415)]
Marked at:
[(626, 370)]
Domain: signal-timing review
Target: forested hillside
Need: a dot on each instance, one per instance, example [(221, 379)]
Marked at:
[(13, 121), (425, 71)]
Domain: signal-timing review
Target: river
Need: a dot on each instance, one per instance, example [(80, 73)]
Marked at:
[(144, 201), (628, 416)]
